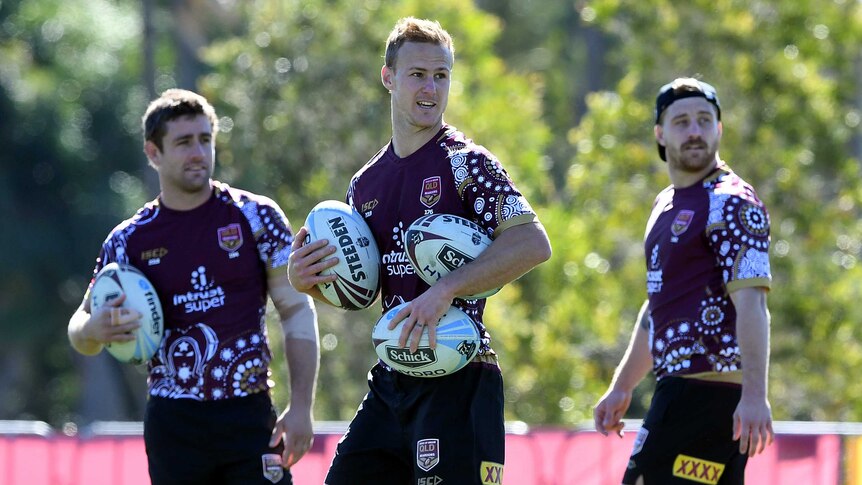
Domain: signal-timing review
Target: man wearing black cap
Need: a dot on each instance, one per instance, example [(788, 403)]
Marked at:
[(704, 328)]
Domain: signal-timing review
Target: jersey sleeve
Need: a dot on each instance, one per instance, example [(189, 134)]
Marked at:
[(488, 192), (271, 229), (738, 233)]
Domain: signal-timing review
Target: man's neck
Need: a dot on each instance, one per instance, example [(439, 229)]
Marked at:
[(184, 201), (681, 179), (406, 141)]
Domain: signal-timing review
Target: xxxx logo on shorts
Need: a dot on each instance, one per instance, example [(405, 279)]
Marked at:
[(491, 472), (697, 470)]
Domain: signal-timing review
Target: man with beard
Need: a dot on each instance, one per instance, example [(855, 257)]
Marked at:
[(215, 254), (704, 329)]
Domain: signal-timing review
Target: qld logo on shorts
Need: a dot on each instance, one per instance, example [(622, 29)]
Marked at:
[(697, 470), (272, 469), (431, 190), (427, 453), (230, 237)]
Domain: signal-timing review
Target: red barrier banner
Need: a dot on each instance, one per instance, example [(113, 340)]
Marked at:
[(537, 457)]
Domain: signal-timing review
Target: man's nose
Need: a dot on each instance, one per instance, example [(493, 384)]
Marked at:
[(695, 130), (199, 149), (429, 86)]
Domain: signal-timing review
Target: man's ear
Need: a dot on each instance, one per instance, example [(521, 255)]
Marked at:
[(659, 135), (152, 152), (386, 76)]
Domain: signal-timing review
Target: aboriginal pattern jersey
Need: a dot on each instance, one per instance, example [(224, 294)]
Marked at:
[(209, 267), (448, 175), (702, 242)]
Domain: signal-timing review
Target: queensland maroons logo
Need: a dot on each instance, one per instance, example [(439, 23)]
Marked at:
[(230, 237), (681, 222), (427, 453), (431, 190)]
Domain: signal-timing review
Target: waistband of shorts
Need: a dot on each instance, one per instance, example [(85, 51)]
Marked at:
[(259, 397), (487, 359), (698, 382), (734, 377)]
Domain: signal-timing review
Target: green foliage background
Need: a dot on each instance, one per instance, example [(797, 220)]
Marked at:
[(561, 92)]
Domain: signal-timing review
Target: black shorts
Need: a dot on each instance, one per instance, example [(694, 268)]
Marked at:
[(213, 442), (425, 431), (687, 436)]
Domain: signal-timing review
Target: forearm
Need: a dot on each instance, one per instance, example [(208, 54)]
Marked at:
[(303, 360), (752, 331), (515, 252), (637, 361)]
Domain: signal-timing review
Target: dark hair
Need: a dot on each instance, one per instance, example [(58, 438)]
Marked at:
[(173, 104), (679, 88), (411, 29)]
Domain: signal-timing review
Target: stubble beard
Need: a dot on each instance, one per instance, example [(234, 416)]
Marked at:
[(691, 163)]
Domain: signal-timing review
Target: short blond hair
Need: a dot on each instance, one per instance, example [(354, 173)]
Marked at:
[(411, 29)]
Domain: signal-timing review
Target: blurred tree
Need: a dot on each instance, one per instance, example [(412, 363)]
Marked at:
[(562, 92), (68, 75)]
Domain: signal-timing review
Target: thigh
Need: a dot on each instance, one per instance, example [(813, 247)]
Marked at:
[(213, 442), (459, 431), (687, 435), (368, 467), (371, 452), (175, 445), (242, 433)]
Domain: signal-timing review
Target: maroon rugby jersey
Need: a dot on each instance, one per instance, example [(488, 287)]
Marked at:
[(209, 267), (702, 242), (449, 175)]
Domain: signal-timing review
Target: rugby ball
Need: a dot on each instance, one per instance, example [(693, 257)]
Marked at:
[(458, 342), (440, 243), (117, 279), (358, 268)]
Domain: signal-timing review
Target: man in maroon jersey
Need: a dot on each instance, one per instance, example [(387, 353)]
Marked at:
[(449, 429), (704, 329), (213, 253)]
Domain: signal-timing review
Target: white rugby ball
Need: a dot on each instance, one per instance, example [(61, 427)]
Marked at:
[(458, 341), (440, 243), (116, 279), (358, 268)]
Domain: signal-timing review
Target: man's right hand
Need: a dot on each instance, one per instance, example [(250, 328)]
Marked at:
[(609, 412)]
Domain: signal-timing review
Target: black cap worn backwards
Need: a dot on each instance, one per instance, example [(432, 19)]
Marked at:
[(684, 87)]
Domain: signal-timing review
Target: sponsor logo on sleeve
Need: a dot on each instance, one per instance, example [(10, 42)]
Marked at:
[(697, 470), (491, 472), (427, 453), (272, 469)]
